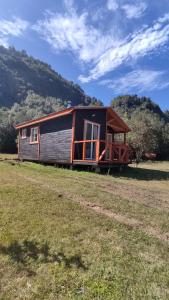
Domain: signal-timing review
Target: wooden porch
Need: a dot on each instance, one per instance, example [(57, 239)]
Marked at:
[(103, 152), (104, 142)]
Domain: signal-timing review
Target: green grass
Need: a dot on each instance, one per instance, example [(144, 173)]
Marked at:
[(55, 245)]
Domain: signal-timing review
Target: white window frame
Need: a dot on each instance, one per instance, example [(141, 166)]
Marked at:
[(23, 135), (31, 140), (92, 133), (85, 129)]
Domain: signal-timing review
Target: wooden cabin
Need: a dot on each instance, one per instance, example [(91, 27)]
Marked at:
[(92, 136)]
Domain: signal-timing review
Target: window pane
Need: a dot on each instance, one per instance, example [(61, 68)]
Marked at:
[(23, 133), (88, 151), (95, 132), (88, 131), (34, 134)]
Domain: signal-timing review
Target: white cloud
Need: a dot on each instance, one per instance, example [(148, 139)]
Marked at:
[(16, 27), (3, 42), (138, 81), (134, 11), (131, 10), (102, 51), (141, 43), (69, 5), (112, 5), (71, 31)]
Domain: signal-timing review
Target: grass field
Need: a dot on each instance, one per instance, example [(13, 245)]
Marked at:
[(77, 235)]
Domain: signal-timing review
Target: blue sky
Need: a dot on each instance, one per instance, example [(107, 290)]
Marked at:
[(109, 47)]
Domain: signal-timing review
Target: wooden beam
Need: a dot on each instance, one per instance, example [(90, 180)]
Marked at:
[(39, 142), (45, 118), (73, 137), (102, 154), (84, 151), (111, 121), (97, 150), (19, 136), (120, 129)]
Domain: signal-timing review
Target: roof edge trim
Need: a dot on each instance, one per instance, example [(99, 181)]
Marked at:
[(45, 118)]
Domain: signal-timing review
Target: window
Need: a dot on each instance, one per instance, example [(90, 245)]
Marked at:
[(91, 131), (119, 137), (34, 135), (23, 133)]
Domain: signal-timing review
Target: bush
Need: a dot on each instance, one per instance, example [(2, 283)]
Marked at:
[(8, 139)]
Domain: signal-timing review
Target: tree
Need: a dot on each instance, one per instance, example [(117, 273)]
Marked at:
[(164, 145), (146, 133), (7, 139), (149, 124)]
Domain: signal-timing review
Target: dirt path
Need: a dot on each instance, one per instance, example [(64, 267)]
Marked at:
[(156, 199), (122, 219)]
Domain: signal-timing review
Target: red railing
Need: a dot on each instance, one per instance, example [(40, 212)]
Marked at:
[(100, 151)]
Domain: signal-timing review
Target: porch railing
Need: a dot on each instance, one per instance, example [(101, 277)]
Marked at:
[(117, 152)]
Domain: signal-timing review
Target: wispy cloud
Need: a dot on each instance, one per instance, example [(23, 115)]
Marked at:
[(138, 81), (16, 27), (134, 10), (140, 44), (100, 50), (3, 41), (131, 10), (72, 32), (112, 5)]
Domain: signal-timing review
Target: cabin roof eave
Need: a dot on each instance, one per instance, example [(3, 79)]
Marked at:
[(56, 115), (45, 118), (70, 110), (124, 127)]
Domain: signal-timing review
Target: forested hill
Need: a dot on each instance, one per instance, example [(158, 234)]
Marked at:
[(149, 124), (20, 73), (131, 104)]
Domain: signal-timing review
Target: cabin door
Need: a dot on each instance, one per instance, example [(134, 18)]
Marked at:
[(91, 133)]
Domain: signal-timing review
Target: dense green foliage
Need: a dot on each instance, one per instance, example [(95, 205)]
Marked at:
[(149, 124), (20, 73), (7, 139), (129, 104)]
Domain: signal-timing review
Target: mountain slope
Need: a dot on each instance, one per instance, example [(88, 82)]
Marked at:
[(130, 104), (20, 73)]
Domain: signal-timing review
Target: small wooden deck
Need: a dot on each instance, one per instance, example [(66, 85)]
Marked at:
[(103, 153)]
